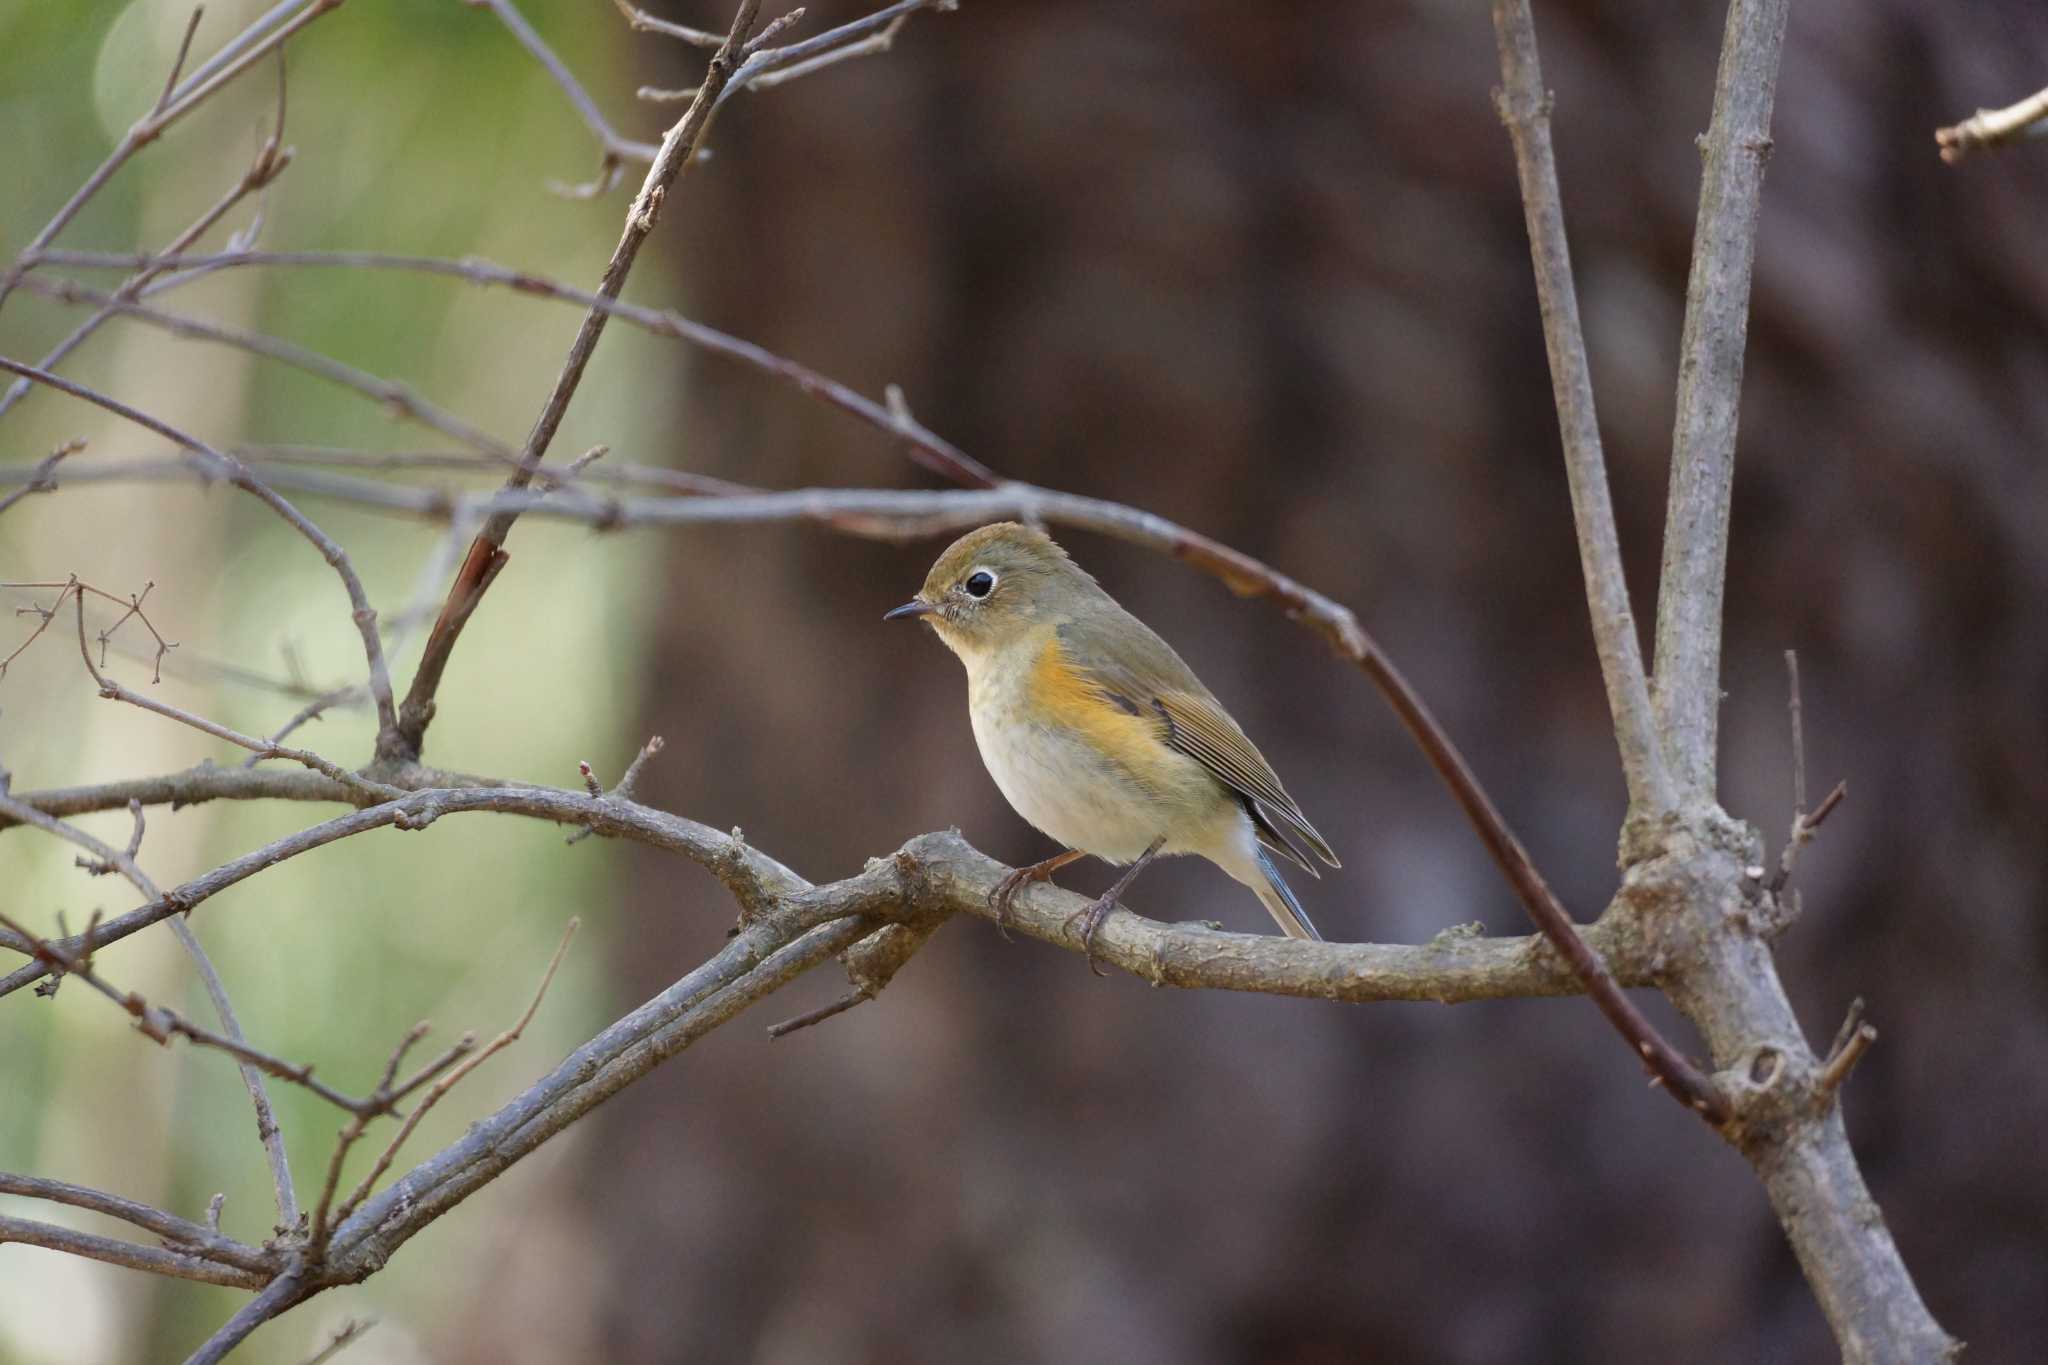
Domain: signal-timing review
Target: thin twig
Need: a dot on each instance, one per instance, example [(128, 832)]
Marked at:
[(287, 1289), (267, 33), (39, 480), (925, 447), (643, 22), (1694, 577), (240, 476), (180, 1234), (157, 1261), (487, 553), (394, 397), (178, 64), (270, 161), (344, 1336), (453, 1078), (159, 1024), (614, 149), (1989, 128), (1524, 107)]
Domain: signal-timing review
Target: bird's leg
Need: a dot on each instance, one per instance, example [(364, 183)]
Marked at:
[(1015, 880), (1098, 909)]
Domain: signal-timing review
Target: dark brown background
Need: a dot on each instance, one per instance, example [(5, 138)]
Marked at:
[(1262, 269)]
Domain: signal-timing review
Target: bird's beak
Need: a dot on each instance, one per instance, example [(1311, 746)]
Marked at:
[(910, 609)]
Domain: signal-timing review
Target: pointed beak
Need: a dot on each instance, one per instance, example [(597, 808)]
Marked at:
[(909, 610)]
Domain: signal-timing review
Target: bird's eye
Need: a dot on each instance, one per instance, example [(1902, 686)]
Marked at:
[(980, 583)]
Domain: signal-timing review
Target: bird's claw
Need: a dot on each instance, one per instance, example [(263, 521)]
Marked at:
[(1091, 916)]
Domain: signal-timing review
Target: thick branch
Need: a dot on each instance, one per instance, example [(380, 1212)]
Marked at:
[(1525, 109), (1738, 143)]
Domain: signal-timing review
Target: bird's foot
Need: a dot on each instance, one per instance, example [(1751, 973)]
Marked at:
[(1090, 918), (1001, 899)]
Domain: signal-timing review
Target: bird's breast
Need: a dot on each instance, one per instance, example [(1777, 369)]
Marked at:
[(1088, 773)]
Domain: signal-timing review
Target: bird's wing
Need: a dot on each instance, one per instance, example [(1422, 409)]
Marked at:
[(1140, 673)]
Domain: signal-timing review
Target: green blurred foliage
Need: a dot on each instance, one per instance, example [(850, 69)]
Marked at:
[(420, 128)]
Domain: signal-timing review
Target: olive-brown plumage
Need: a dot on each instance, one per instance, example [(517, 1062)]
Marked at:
[(1097, 732)]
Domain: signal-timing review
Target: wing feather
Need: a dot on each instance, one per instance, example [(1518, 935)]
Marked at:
[(1133, 668)]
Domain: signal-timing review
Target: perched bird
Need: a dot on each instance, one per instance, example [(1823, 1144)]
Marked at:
[(1097, 733)]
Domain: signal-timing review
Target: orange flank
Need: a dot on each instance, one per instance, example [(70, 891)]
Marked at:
[(1122, 730)]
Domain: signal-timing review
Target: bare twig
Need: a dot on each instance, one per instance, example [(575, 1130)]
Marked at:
[(614, 150), (1989, 128), (344, 1336), (628, 784), (178, 65), (771, 66), (39, 480), (446, 1083), (394, 397), (157, 1261), (270, 161), (286, 1290), (643, 22), (114, 691), (240, 476), (1842, 1061), (159, 1024), (487, 553), (1524, 106), (1737, 145), (266, 34), (204, 1241), (924, 446)]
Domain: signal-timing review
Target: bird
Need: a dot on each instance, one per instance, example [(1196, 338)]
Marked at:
[(1098, 734)]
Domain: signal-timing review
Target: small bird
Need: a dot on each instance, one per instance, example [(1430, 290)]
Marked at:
[(1097, 733)]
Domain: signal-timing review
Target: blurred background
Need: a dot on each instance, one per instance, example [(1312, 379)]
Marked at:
[(1258, 269)]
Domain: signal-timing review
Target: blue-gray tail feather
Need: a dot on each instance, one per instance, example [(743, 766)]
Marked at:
[(1279, 901)]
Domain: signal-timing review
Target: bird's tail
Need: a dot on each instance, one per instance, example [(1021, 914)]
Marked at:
[(1279, 901)]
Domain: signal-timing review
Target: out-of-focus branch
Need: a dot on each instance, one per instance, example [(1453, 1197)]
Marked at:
[(487, 553), (1989, 128), (156, 1260), (269, 32), (389, 394), (1695, 571), (614, 151), (159, 1024), (269, 163), (41, 479), (771, 66), (1524, 105), (241, 477), (182, 1234), (926, 447)]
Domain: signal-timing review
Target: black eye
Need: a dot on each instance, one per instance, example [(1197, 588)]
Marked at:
[(980, 583)]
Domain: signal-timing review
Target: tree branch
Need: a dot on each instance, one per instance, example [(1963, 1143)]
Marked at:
[(1989, 128), (240, 476), (487, 553), (1738, 144), (1524, 106), (157, 1261), (185, 1236)]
